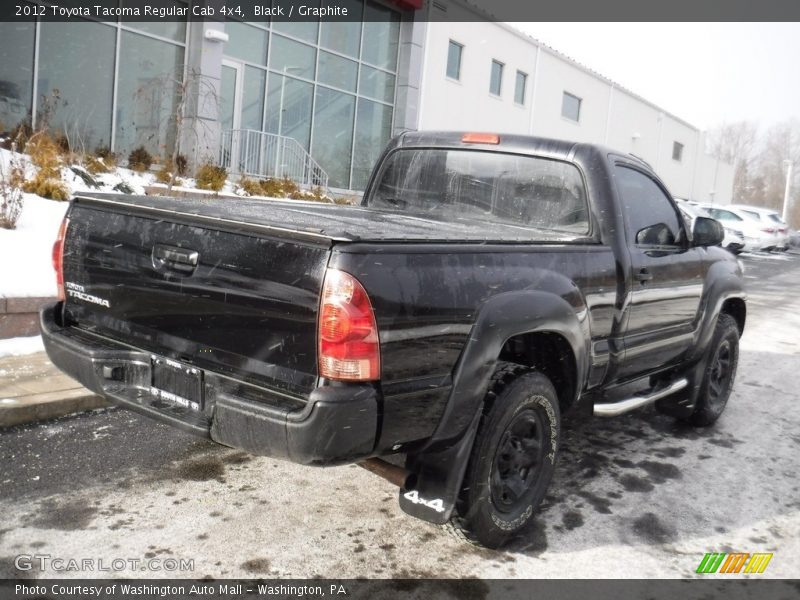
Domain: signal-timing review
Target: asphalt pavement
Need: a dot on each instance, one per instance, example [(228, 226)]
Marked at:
[(636, 496)]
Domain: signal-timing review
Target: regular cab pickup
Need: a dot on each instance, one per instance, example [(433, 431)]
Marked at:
[(486, 288)]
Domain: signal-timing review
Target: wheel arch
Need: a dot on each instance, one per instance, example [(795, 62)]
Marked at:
[(550, 353), (736, 308), (503, 323)]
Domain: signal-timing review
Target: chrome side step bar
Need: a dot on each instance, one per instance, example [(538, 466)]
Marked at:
[(612, 409)]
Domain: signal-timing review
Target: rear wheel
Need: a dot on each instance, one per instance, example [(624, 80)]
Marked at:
[(723, 357), (513, 457)]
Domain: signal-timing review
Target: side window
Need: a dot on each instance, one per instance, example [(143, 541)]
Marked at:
[(724, 215), (651, 220)]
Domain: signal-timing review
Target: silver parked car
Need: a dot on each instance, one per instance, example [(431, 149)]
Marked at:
[(734, 238), (770, 220), (756, 235)]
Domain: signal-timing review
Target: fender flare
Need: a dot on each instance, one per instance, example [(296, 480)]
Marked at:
[(440, 465)]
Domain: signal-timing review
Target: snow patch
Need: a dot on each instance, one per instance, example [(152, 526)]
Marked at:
[(21, 345)]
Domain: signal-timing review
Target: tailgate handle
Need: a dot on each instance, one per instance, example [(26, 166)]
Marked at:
[(177, 259)]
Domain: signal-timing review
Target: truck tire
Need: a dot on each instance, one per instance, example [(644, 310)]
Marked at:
[(512, 460), (723, 356)]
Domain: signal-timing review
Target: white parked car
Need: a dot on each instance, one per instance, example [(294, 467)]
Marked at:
[(770, 219), (734, 238), (756, 235)]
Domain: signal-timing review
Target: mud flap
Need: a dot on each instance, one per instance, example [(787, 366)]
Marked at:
[(682, 404), (439, 478)]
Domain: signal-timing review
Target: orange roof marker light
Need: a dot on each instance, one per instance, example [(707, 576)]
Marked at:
[(480, 138)]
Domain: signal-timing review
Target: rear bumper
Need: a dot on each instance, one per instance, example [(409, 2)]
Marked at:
[(335, 425)]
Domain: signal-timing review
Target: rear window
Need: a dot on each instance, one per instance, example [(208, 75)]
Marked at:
[(725, 215), (750, 213), (491, 187)]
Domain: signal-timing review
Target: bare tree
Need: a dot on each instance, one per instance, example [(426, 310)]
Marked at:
[(735, 144), (183, 92), (781, 143)]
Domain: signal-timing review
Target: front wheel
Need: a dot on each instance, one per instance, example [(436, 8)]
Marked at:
[(513, 457), (723, 357)]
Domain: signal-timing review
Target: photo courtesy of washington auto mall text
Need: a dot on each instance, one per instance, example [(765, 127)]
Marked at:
[(173, 590), (399, 299)]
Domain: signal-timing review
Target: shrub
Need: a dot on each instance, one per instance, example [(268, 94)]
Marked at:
[(106, 154), (210, 177), (95, 165), (12, 178), (62, 142), (140, 159), (45, 155), (167, 174), (251, 187), (272, 188), (103, 161), (123, 188), (290, 188), (54, 189)]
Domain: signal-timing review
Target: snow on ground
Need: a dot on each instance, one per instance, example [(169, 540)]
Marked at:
[(21, 345), (26, 268)]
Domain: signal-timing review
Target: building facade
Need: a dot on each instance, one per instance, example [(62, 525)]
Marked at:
[(337, 90)]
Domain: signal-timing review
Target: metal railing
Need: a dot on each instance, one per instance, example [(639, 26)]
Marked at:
[(260, 154)]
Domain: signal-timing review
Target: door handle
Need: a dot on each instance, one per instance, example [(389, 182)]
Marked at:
[(643, 276), (176, 259)]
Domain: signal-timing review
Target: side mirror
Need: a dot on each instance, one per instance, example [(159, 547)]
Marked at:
[(707, 232)]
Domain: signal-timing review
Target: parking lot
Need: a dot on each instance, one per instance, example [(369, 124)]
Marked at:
[(636, 496)]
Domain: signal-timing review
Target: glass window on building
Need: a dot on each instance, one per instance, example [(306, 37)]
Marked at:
[(253, 89), (289, 102), (227, 97), (76, 82), (571, 107), (330, 85), (376, 84), (373, 128), (16, 73), (246, 42), (292, 58), (381, 37), (454, 51), (171, 28), (343, 37), (519, 89), (304, 30), (334, 114), (496, 79), (337, 71), (147, 93), (677, 151)]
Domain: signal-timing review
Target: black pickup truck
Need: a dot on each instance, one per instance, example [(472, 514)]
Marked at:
[(487, 287)]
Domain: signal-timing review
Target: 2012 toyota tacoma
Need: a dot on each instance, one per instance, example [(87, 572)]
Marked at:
[(487, 287)]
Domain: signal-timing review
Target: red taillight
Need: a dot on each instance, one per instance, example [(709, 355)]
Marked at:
[(348, 335), (480, 138), (58, 257), (767, 230)]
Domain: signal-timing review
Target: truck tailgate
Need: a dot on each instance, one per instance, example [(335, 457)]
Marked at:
[(239, 302)]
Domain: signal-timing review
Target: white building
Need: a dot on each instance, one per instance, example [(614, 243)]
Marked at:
[(491, 77)]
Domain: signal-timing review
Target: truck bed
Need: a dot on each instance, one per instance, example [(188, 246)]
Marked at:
[(336, 223)]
